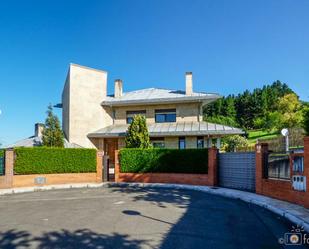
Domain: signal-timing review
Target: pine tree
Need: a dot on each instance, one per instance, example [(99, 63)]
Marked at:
[(52, 133), (137, 135)]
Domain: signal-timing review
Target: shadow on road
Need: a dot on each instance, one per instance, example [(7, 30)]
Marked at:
[(208, 222), (65, 239)]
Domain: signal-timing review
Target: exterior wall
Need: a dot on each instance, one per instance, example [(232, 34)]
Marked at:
[(209, 179), (51, 179), (170, 142), (84, 90), (281, 189), (184, 112)]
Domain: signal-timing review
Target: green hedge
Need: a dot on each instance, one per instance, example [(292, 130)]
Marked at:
[(194, 161), (42, 160), (1, 153)]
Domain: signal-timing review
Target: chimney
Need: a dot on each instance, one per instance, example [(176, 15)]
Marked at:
[(38, 129), (118, 89), (189, 84)]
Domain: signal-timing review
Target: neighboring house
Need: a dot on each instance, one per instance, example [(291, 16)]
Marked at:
[(36, 140), (91, 118)]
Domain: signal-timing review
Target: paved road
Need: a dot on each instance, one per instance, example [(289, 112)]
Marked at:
[(135, 218)]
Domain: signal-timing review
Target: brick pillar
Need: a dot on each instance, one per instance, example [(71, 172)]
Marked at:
[(306, 170), (212, 166), (117, 166), (99, 176), (260, 150), (8, 169)]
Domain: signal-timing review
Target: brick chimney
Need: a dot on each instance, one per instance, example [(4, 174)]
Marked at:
[(189, 83), (38, 129), (118, 88)]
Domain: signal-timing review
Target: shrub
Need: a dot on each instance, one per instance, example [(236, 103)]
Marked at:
[(43, 160), (232, 143), (1, 153), (164, 161)]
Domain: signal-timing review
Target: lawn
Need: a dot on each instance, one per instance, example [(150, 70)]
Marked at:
[(261, 134)]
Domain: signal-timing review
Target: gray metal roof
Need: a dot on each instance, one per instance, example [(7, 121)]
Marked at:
[(37, 141), (171, 129), (158, 95)]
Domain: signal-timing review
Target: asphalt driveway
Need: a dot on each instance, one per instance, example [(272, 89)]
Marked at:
[(135, 218)]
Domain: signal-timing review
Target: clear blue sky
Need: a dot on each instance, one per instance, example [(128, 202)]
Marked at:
[(228, 45)]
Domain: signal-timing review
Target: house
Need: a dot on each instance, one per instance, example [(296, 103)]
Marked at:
[(91, 118), (36, 139)]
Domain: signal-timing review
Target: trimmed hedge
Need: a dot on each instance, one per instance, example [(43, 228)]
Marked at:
[(192, 161), (43, 160)]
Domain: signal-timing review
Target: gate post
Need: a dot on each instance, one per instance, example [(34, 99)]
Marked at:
[(99, 166), (6, 181), (260, 150), (306, 171), (117, 167), (213, 166)]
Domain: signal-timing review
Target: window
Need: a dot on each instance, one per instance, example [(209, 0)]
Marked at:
[(200, 142), (182, 143), (130, 115), (165, 115), (157, 142)]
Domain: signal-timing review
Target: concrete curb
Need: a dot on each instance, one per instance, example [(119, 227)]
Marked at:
[(290, 211), (50, 187), (281, 208)]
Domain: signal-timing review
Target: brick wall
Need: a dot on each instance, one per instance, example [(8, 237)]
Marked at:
[(281, 189), (9, 180), (209, 179)]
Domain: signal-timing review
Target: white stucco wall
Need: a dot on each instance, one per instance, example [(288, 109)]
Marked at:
[(83, 93)]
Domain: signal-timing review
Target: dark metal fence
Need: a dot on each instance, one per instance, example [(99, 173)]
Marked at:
[(1, 165)]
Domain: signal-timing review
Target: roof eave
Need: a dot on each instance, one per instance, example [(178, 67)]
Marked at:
[(187, 99)]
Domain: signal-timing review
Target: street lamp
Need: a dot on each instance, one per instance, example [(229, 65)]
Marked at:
[(285, 133)]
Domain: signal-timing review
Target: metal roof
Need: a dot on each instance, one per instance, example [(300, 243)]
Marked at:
[(37, 141), (171, 129), (158, 95)]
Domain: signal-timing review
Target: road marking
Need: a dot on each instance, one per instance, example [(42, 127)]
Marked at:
[(119, 202)]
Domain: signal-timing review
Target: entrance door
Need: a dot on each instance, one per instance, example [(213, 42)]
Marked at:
[(110, 145)]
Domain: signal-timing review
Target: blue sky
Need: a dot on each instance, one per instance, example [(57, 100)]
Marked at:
[(229, 46)]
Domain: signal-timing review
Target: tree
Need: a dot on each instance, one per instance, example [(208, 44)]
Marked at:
[(290, 108), (232, 143), (52, 133), (306, 120), (137, 135)]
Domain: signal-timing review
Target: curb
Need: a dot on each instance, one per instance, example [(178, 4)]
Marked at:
[(248, 197), (50, 187)]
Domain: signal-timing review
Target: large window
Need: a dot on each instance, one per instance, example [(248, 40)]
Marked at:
[(157, 142), (182, 143), (165, 115), (200, 142), (130, 115)]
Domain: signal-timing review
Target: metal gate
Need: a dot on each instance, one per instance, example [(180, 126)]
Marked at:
[(237, 170)]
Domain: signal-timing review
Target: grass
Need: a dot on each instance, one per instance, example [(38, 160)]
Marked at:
[(261, 134)]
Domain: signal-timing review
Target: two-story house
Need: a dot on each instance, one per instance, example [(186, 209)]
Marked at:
[(91, 118)]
